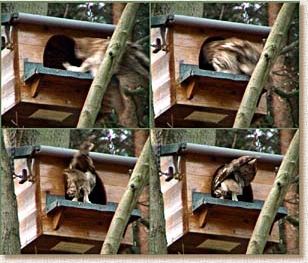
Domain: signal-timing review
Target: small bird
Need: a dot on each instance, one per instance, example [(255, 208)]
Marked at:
[(233, 179)]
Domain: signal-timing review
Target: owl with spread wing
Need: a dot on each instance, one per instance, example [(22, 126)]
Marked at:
[(233, 179), (82, 181), (82, 160)]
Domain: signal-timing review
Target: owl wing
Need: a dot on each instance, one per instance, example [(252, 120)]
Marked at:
[(83, 162), (243, 167), (219, 176), (248, 170), (91, 178)]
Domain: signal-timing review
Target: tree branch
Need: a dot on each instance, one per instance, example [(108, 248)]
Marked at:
[(261, 73), (286, 94), (113, 56), (275, 198), (138, 180), (289, 47)]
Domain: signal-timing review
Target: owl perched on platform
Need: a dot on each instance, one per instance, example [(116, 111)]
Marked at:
[(79, 185), (82, 180), (233, 179), (230, 55)]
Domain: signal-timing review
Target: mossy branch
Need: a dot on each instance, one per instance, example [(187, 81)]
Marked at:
[(112, 57), (275, 198), (268, 57), (138, 180)]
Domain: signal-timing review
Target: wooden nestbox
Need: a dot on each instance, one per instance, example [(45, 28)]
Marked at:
[(51, 224), (185, 95), (36, 89), (198, 223)]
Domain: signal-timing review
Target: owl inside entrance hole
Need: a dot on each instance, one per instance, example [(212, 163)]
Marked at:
[(204, 62), (59, 49), (233, 180), (230, 55)]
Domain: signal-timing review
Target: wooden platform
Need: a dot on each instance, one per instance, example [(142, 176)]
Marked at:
[(185, 95), (51, 224), (198, 223)]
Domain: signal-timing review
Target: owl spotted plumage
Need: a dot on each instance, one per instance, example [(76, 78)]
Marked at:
[(233, 179), (127, 94), (230, 55), (79, 185), (82, 181)]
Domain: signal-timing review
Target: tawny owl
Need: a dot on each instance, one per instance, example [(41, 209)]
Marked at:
[(231, 180)]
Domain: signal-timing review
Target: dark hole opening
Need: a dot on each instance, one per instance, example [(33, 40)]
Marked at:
[(203, 62), (59, 49)]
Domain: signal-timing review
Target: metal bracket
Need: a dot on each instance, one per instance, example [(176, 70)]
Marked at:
[(26, 152), (161, 43), (174, 150)]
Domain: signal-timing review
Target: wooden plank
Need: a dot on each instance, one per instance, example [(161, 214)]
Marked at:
[(29, 229), (175, 226), (189, 37), (203, 217), (42, 29), (208, 32), (21, 113), (162, 98), (185, 55), (57, 218), (224, 225), (59, 203), (52, 179), (8, 95), (35, 70), (160, 69), (218, 98), (8, 98), (190, 89)]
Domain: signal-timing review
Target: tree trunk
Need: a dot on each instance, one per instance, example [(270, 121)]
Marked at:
[(138, 180), (275, 198), (158, 239), (117, 9), (280, 108), (289, 225), (112, 57), (282, 117), (54, 137), (199, 136), (261, 73), (140, 137), (10, 242), (183, 8), (26, 7)]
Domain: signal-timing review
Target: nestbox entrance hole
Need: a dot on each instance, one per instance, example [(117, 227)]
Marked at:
[(203, 62), (247, 195), (96, 196), (59, 49)]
